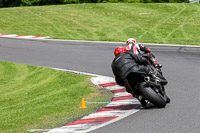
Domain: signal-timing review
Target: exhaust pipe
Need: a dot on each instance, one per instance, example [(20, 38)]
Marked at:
[(147, 79)]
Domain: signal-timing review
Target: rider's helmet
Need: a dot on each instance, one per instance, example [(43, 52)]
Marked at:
[(130, 40), (119, 50)]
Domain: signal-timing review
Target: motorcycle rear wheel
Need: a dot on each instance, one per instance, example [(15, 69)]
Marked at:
[(152, 96)]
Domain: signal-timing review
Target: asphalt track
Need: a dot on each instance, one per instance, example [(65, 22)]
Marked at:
[(181, 68)]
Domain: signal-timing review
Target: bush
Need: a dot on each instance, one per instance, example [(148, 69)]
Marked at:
[(131, 1), (113, 1), (11, 3), (30, 2), (146, 1)]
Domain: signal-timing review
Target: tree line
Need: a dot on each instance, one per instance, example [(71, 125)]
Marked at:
[(13, 3)]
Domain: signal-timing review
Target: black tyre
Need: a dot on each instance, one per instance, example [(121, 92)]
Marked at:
[(164, 96), (151, 95), (168, 100)]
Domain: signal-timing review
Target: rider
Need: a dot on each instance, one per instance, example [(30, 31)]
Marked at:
[(126, 63), (131, 45)]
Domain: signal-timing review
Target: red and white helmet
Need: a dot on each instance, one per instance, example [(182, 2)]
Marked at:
[(130, 40), (119, 50)]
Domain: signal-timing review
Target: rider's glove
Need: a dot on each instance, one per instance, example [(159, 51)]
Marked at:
[(147, 56)]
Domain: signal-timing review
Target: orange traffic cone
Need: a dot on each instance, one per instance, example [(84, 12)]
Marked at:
[(83, 103)]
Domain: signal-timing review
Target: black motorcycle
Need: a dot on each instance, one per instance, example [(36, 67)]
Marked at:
[(150, 88)]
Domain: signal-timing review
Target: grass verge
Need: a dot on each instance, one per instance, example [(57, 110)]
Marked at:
[(174, 23), (41, 98)]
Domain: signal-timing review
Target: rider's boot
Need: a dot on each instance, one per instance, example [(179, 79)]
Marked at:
[(129, 90), (142, 101)]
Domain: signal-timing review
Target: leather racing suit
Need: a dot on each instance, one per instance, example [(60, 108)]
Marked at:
[(128, 63), (137, 48)]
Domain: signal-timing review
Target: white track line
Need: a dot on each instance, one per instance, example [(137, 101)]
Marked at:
[(78, 72), (96, 42), (122, 43)]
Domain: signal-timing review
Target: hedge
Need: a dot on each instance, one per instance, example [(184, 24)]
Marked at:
[(12, 3)]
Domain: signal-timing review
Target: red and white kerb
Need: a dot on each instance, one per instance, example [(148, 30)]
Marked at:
[(121, 105), (23, 36)]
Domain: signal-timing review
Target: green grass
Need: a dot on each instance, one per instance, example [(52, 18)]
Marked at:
[(34, 97), (149, 23)]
